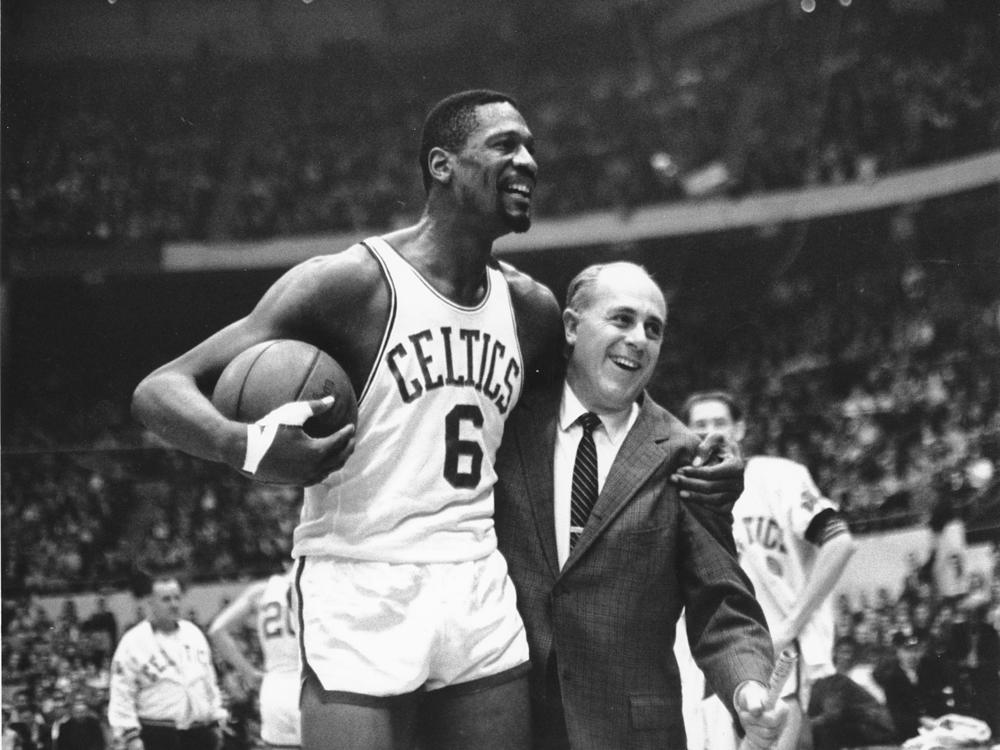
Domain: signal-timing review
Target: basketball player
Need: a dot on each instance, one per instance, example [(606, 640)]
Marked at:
[(270, 601), (408, 624), (794, 545)]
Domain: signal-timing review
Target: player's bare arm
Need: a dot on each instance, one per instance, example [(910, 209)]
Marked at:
[(836, 547), (539, 326), (336, 302), (219, 632)]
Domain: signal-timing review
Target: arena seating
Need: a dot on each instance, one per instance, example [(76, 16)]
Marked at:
[(216, 148)]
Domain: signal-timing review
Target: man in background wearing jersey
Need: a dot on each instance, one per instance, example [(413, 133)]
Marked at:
[(794, 545), (164, 694), (270, 603)]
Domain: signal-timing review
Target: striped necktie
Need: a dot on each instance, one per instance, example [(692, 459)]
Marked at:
[(584, 492)]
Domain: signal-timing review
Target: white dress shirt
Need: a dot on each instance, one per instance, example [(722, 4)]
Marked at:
[(608, 438)]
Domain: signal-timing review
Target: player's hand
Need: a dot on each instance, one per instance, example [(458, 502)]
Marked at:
[(762, 725), (715, 475), (293, 457)]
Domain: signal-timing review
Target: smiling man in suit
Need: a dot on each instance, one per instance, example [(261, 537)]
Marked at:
[(603, 552)]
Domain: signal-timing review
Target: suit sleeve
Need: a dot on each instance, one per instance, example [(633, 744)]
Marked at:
[(725, 625)]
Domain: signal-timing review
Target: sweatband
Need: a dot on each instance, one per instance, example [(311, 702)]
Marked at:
[(261, 433)]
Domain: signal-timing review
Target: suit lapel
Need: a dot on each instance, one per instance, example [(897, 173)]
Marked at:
[(536, 435), (645, 447)]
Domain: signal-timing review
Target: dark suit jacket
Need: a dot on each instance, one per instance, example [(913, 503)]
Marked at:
[(609, 615)]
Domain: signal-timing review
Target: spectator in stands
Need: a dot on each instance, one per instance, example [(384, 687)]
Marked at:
[(975, 645), (921, 617), (104, 625), (842, 713), (29, 723), (11, 737), (80, 729), (913, 685)]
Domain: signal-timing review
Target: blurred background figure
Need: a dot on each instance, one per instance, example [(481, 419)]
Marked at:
[(164, 693), (975, 646), (917, 685), (842, 713), (794, 545), (277, 681), (81, 729)]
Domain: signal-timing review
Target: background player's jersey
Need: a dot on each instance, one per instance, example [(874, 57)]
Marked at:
[(276, 627), (770, 519), (279, 690), (419, 486)]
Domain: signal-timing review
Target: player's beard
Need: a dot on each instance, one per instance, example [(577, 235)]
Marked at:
[(518, 223)]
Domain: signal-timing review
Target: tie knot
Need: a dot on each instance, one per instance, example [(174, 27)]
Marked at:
[(589, 421)]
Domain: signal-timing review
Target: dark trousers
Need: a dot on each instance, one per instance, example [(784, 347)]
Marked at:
[(548, 717), (168, 738)]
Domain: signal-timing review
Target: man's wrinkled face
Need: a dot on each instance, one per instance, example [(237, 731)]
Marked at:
[(615, 337), (165, 604)]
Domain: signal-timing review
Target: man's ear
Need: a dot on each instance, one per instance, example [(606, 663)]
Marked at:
[(440, 165), (739, 431), (571, 319)]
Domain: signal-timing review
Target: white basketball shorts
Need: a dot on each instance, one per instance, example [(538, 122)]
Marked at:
[(279, 709), (387, 629)]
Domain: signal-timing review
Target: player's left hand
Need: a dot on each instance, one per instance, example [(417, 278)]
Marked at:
[(762, 725), (715, 475)]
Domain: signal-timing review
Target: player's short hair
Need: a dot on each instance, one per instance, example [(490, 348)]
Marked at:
[(450, 121), (735, 410), (578, 293)]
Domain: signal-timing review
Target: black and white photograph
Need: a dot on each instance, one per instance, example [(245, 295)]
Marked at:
[(500, 375)]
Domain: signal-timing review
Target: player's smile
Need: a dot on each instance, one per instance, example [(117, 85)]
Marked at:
[(518, 187)]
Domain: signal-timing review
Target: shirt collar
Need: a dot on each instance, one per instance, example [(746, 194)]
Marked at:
[(616, 425)]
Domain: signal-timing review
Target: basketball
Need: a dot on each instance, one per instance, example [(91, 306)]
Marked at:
[(272, 373)]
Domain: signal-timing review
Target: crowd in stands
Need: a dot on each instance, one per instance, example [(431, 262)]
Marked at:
[(82, 521), (923, 655), (99, 153), (211, 148)]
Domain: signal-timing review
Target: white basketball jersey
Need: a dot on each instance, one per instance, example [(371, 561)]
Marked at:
[(770, 520), (419, 486), (276, 627)]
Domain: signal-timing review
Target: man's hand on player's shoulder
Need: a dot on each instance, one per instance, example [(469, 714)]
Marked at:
[(715, 475)]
